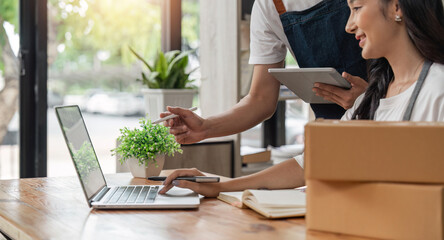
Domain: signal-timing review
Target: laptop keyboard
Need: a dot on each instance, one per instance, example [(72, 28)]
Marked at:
[(133, 194)]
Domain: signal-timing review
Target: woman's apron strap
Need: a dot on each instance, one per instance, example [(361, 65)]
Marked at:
[(419, 83)]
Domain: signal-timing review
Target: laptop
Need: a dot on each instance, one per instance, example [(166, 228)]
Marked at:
[(97, 192)]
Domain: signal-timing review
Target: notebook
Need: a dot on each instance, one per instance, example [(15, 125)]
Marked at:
[(269, 203), (98, 194)]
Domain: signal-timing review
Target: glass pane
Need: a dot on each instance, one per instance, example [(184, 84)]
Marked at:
[(9, 89), (290, 61), (252, 137), (297, 112), (190, 39), (90, 65), (190, 24), (296, 116)]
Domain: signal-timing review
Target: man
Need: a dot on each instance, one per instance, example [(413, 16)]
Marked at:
[(314, 33)]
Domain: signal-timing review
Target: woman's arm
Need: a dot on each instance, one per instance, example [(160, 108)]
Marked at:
[(288, 174)]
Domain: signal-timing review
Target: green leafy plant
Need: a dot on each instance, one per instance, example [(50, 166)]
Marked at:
[(145, 143), (167, 70), (85, 160)]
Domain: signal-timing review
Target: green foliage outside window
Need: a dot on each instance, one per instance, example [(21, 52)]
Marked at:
[(88, 41), (88, 26), (8, 13), (190, 24)]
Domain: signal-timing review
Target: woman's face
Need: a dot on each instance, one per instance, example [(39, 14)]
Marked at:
[(375, 32)]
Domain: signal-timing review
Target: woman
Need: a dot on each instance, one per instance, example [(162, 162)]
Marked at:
[(406, 80)]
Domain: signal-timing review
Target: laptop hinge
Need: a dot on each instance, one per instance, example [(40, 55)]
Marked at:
[(100, 195)]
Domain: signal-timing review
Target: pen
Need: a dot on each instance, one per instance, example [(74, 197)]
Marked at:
[(199, 179), (171, 116)]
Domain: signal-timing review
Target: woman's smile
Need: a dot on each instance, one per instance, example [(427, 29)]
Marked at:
[(361, 38)]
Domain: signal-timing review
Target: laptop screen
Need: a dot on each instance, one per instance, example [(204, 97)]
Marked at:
[(81, 149)]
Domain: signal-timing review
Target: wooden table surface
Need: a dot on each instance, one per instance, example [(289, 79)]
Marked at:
[(55, 208)]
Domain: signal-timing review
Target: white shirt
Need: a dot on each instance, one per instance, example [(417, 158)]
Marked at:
[(268, 42), (429, 105)]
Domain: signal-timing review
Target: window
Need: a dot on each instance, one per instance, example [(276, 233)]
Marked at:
[(9, 89), (190, 39), (190, 24), (297, 112), (90, 65)]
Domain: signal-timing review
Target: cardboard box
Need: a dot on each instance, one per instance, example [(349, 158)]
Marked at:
[(379, 210), (410, 152)]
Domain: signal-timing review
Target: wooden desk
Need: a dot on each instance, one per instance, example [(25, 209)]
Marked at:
[(35, 209)]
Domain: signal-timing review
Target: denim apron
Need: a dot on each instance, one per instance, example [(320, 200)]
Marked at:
[(318, 39)]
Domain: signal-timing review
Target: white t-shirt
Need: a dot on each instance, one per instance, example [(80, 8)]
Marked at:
[(268, 42), (429, 105)]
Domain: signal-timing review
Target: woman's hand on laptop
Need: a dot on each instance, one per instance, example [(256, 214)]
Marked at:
[(206, 189), (343, 97)]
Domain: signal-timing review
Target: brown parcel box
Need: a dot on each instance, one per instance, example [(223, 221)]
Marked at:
[(375, 151), (379, 210)]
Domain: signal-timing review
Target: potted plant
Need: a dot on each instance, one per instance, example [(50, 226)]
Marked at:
[(168, 83), (144, 148)]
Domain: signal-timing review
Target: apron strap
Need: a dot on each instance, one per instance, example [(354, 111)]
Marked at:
[(419, 83), (279, 6)]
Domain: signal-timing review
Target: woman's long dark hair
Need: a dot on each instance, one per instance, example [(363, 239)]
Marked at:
[(424, 20)]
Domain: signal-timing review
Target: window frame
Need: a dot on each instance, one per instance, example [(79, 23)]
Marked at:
[(33, 89)]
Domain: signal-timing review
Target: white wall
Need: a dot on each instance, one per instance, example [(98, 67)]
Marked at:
[(219, 59)]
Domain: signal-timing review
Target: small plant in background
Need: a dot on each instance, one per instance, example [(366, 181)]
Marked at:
[(145, 143), (167, 70)]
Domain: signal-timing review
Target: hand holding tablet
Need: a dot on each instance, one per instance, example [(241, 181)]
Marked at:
[(302, 80)]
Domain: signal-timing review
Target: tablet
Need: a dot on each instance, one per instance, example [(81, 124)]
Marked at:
[(302, 80)]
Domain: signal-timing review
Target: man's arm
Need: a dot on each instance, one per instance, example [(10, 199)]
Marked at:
[(257, 106)]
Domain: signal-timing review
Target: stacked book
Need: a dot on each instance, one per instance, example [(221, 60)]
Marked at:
[(285, 152), (255, 159), (375, 179)]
